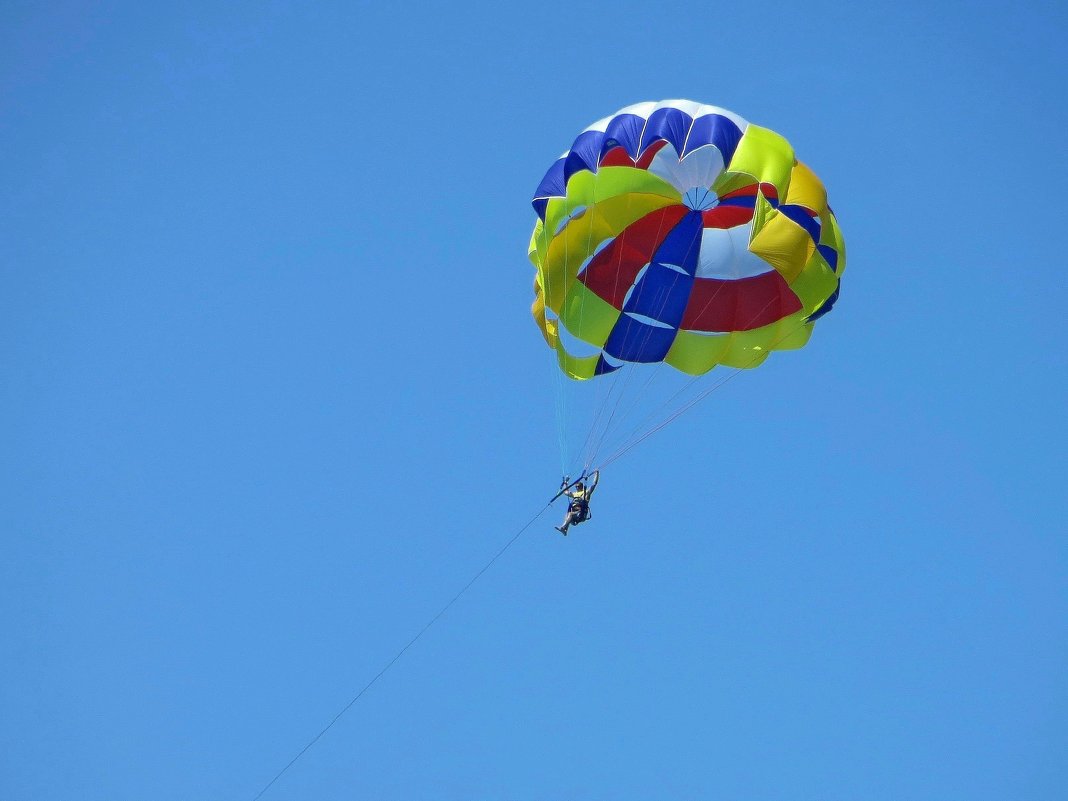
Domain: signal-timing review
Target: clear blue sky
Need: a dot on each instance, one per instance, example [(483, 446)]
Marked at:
[(272, 395)]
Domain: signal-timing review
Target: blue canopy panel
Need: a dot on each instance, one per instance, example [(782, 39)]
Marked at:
[(663, 291), (604, 367), (632, 340), (669, 124), (830, 254), (585, 153), (739, 201), (636, 135), (625, 131), (803, 217), (714, 129), (661, 295), (552, 185)]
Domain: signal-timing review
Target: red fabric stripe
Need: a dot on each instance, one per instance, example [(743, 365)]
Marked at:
[(612, 271), (617, 157), (745, 191), (647, 157), (767, 190), (738, 305), (726, 216)]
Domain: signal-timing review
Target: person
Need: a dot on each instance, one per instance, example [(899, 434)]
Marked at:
[(578, 509)]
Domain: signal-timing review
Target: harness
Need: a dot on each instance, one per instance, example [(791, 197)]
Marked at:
[(581, 507), (578, 500)]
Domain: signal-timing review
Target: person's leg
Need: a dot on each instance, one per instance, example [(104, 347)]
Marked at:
[(568, 520)]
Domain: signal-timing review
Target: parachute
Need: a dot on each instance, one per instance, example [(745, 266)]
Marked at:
[(678, 233)]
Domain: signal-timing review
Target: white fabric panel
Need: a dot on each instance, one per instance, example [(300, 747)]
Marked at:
[(699, 169), (688, 106), (725, 254), (642, 110)]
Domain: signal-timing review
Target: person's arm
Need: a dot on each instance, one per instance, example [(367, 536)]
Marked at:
[(596, 479)]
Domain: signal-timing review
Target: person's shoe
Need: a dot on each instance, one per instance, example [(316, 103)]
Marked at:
[(561, 529)]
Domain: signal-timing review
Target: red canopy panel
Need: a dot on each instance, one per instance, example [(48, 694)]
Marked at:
[(718, 305), (611, 273)]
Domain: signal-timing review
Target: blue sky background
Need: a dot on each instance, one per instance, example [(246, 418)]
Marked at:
[(272, 395)]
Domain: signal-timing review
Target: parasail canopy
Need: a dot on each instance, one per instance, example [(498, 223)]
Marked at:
[(680, 233)]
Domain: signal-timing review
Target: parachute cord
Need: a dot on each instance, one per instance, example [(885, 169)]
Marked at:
[(623, 380), (602, 404), (654, 371), (620, 379), (561, 412), (681, 391), (401, 652), (590, 214), (652, 414), (554, 365), (666, 404), (674, 416), (697, 399), (618, 382), (631, 372)]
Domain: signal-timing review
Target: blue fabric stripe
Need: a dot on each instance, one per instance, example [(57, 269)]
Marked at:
[(552, 185), (584, 154), (662, 292), (826, 307), (667, 123), (624, 130), (830, 254), (715, 129), (742, 201), (800, 215), (603, 367), (682, 245), (634, 341)]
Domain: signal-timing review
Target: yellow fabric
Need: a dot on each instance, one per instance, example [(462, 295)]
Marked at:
[(587, 188), (580, 367), (746, 350), (831, 235), (766, 156), (623, 196), (728, 182), (560, 261), (782, 243), (793, 332), (815, 283), (587, 316), (535, 237), (806, 189), (547, 327), (695, 353)]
